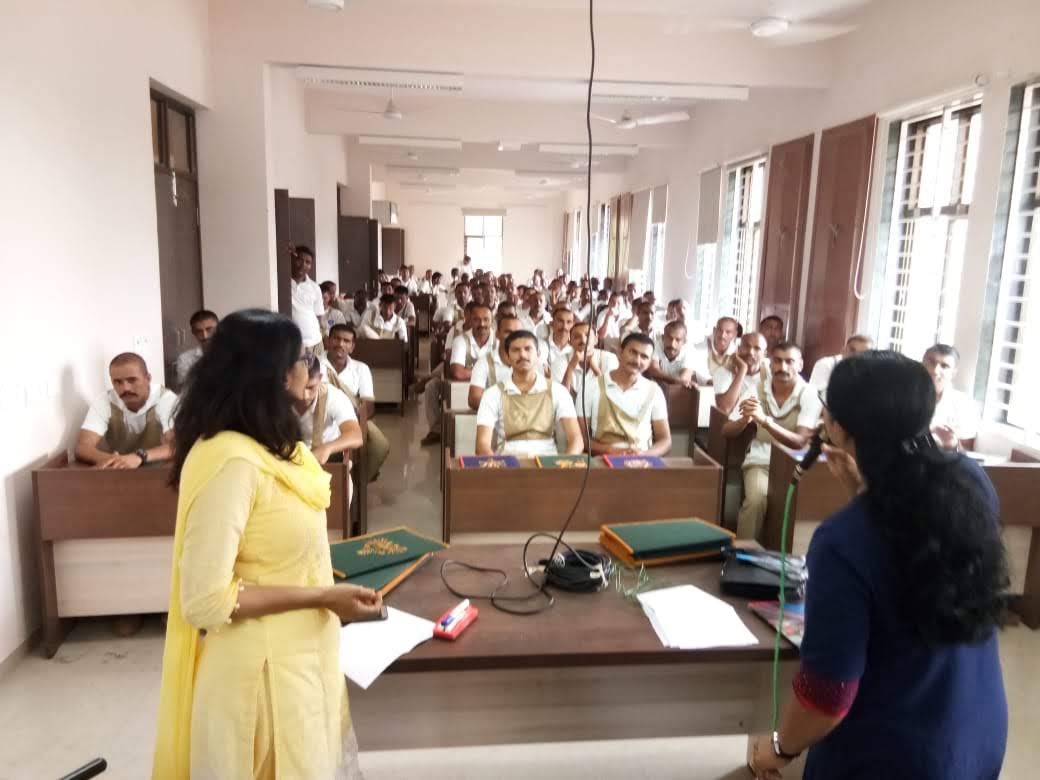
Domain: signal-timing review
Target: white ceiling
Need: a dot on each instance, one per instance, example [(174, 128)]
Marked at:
[(516, 96)]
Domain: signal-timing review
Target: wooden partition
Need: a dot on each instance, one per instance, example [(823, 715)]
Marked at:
[(388, 359), (105, 539), (458, 424), (683, 412), (424, 310), (820, 495), (530, 498), (728, 453)]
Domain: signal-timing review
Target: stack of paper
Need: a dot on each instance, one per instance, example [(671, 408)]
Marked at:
[(366, 649), (690, 619)]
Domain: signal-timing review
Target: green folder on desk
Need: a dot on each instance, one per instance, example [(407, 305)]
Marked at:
[(657, 542), (381, 560)]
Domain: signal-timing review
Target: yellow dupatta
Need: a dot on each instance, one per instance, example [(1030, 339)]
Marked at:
[(303, 476)]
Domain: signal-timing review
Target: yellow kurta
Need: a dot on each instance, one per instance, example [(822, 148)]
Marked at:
[(268, 699)]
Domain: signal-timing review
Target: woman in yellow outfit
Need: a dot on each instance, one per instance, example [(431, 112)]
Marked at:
[(251, 684)]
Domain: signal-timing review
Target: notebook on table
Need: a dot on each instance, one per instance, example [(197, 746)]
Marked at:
[(659, 542), (561, 461), (489, 462), (634, 461), (381, 560), (794, 618)]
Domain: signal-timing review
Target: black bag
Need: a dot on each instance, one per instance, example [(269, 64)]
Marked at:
[(746, 580)]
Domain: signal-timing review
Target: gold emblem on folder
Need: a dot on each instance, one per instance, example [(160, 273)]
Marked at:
[(381, 546), (638, 464), (492, 464)]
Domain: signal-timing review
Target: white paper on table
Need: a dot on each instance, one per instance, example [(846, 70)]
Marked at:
[(367, 649), (687, 618)]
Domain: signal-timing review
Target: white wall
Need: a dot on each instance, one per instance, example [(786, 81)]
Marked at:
[(308, 165), (904, 53), (81, 255), (533, 234)]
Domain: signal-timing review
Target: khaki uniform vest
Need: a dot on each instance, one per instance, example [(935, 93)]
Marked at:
[(334, 380), (118, 438), (614, 425), (527, 416), (789, 421)]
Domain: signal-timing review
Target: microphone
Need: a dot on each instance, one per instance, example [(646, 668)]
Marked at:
[(810, 457)]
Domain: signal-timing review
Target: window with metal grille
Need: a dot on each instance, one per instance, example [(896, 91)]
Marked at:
[(483, 239), (1014, 370), (742, 241), (935, 180)]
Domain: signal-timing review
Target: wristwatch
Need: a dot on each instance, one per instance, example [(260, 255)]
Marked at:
[(780, 753), (143, 455)]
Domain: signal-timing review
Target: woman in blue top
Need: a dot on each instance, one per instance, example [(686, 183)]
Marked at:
[(900, 675)]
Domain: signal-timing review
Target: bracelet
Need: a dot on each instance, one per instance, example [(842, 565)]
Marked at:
[(780, 753)]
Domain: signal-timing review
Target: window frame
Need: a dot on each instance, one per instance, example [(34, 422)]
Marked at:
[(483, 236), (738, 263)]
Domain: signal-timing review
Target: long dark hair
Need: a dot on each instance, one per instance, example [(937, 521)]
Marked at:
[(239, 385), (943, 532)]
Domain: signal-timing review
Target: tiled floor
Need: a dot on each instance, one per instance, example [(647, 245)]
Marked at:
[(98, 696)]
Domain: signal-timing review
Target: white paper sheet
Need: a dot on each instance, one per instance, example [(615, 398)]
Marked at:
[(367, 649), (687, 618)]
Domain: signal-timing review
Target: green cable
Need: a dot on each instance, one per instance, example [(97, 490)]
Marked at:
[(783, 605)]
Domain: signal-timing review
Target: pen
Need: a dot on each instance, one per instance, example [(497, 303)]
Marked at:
[(455, 614)]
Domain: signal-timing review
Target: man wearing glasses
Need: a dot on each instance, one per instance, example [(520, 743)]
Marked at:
[(785, 409)]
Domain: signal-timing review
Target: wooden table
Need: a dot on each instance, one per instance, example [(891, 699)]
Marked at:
[(535, 499), (729, 453), (820, 495), (388, 360), (591, 667), (105, 539)]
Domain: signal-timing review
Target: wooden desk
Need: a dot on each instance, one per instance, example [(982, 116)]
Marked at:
[(413, 355), (455, 405), (105, 539), (534, 499), (591, 667), (820, 495), (388, 360), (683, 410)]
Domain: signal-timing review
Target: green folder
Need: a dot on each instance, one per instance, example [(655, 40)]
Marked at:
[(561, 461), (381, 560), (664, 539)]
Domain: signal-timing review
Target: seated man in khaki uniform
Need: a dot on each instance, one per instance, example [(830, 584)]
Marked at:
[(625, 412), (523, 409), (494, 366), (571, 370), (467, 350), (785, 409), (132, 425), (354, 378), (742, 373), (383, 321)]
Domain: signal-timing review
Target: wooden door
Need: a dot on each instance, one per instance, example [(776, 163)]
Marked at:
[(787, 208), (177, 225), (301, 229), (358, 253), (842, 193), (393, 249), (283, 240), (624, 227)]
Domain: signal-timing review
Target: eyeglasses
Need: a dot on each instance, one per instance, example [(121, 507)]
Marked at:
[(639, 578)]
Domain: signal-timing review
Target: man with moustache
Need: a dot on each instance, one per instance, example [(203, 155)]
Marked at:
[(523, 409), (772, 327), (384, 322), (571, 370), (955, 424), (493, 367), (672, 363), (712, 352), (785, 409), (742, 372), (626, 413), (354, 379), (467, 349), (203, 325), (559, 341), (308, 307), (132, 424)]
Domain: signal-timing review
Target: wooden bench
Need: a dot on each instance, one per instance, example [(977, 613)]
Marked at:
[(534, 499), (458, 423), (388, 360), (819, 495), (104, 539), (424, 306)]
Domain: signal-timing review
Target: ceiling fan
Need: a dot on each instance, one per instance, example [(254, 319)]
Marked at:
[(628, 122), (391, 112)]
